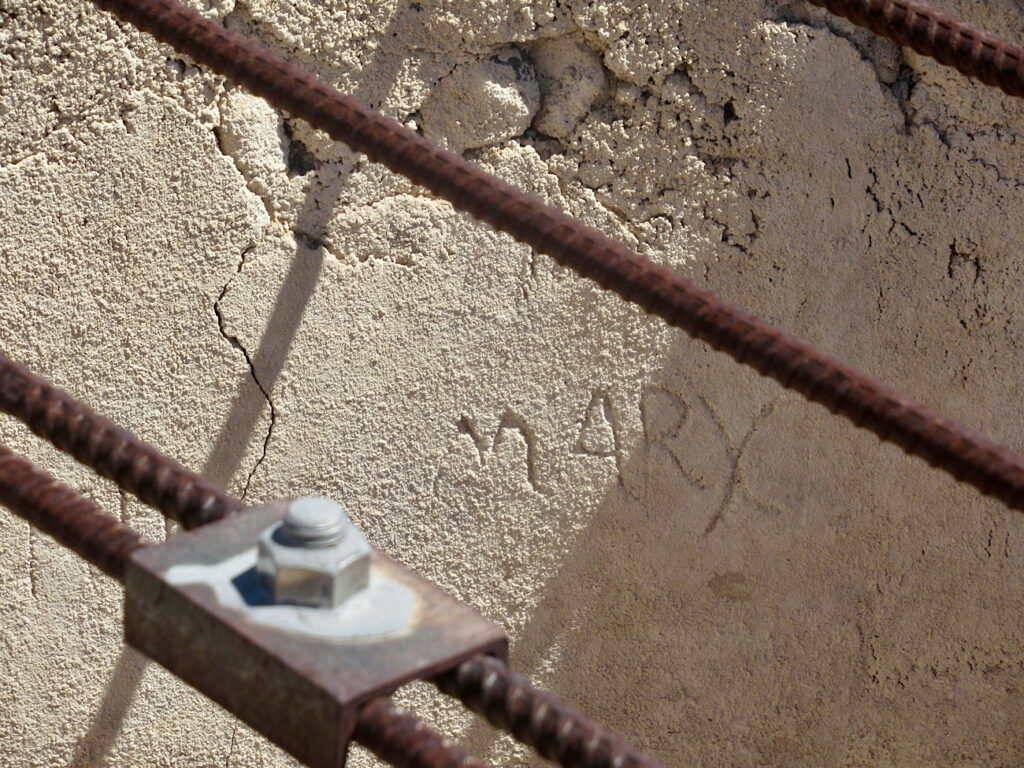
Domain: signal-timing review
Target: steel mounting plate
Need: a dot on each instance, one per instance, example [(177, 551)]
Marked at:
[(296, 675)]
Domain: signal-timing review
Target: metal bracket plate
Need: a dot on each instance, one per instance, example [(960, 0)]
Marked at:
[(297, 675)]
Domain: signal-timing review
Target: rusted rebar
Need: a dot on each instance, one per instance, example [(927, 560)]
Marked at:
[(398, 737), (71, 519), (819, 377), (557, 731), (945, 38), (406, 741), (109, 450)]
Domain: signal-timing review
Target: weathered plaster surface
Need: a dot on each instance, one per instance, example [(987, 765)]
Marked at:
[(701, 560)]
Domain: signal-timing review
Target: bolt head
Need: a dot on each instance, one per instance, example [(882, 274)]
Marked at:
[(315, 556)]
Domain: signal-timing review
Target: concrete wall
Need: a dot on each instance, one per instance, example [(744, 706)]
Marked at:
[(694, 556)]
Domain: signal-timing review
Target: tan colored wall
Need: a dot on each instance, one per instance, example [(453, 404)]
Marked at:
[(696, 557)]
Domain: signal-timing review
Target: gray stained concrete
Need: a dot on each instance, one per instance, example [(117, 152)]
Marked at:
[(689, 553)]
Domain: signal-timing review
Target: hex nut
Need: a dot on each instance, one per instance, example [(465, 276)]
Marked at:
[(315, 556)]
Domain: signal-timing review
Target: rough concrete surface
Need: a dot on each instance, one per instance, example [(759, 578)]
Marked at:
[(705, 562)]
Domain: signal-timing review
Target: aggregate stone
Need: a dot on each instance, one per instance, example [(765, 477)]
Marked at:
[(482, 102)]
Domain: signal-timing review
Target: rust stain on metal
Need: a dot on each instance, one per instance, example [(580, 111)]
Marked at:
[(302, 692), (71, 519), (401, 739)]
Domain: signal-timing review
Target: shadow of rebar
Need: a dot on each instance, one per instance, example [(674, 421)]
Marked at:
[(106, 723), (224, 460), (641, 547), (265, 366)]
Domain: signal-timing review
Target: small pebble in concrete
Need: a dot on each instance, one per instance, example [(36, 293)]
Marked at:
[(483, 102), (571, 77)]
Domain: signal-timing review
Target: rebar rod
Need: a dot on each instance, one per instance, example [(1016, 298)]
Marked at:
[(109, 450), (68, 517), (945, 38), (405, 741), (395, 736), (866, 402), (74, 521), (557, 731)]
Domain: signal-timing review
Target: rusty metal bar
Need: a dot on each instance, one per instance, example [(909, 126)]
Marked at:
[(484, 683), (71, 519), (967, 456), (557, 731), (74, 521), (109, 450), (938, 35), (403, 740)]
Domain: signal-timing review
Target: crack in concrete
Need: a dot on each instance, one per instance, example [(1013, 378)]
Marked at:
[(965, 150), (9, 164), (798, 16), (218, 137), (299, 159), (237, 344), (231, 747), (33, 564)]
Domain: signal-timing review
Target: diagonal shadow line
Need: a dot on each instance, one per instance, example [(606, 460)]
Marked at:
[(596, 577), (373, 80), (252, 395), (265, 366), (106, 723), (224, 460)]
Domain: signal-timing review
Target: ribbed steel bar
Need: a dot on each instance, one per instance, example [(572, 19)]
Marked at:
[(945, 38), (74, 521), (71, 519), (406, 741), (866, 402), (556, 730), (109, 450)]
